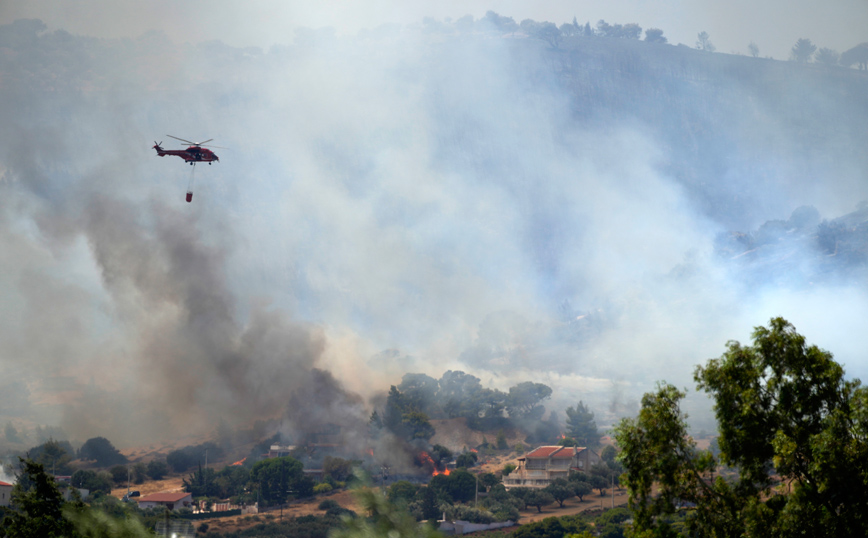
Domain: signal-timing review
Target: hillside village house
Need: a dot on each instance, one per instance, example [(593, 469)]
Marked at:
[(5, 493), (172, 501), (538, 468)]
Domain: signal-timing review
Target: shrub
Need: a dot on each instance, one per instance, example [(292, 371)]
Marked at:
[(327, 504), (100, 450), (119, 474), (322, 488), (157, 469)]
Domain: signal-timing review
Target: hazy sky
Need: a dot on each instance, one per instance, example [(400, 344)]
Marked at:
[(774, 25)]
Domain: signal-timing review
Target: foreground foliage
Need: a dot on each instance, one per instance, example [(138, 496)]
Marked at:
[(381, 518), (791, 426)]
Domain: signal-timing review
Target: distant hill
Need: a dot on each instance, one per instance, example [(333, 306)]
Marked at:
[(801, 251)]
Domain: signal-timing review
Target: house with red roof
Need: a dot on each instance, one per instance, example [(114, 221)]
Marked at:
[(172, 501), (5, 493), (538, 468)]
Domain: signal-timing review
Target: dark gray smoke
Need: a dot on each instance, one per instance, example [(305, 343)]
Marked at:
[(463, 200)]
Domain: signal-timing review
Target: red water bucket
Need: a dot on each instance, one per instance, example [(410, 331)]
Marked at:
[(189, 196)]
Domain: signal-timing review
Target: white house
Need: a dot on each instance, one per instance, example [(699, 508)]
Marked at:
[(5, 493), (539, 468), (172, 501)]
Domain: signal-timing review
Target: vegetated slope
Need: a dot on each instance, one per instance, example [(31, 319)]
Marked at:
[(730, 129), (455, 435)]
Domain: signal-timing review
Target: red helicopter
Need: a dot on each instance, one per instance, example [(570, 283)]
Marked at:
[(196, 153)]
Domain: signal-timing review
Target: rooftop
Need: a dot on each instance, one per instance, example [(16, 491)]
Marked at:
[(554, 452), (163, 497)]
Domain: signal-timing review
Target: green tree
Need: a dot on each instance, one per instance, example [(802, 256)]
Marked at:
[(538, 498), (440, 453), (139, 472), (783, 409), (554, 527), (231, 481), (201, 483), (523, 400), (417, 426), (753, 49), (827, 56), (278, 478), (338, 468), (401, 493), (93, 481), (803, 50), (157, 469), (608, 454), (600, 483), (568, 441), (429, 508), (858, 55), (704, 43), (488, 480), (544, 31), (654, 35), (420, 391), (560, 490), (457, 486), (461, 395), (120, 474), (404, 419), (375, 425), (499, 24), (38, 506), (501, 441), (54, 455), (581, 425), (180, 460), (466, 460), (101, 451), (580, 489)]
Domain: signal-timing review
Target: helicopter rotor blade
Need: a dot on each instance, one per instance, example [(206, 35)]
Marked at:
[(200, 143), (182, 140)]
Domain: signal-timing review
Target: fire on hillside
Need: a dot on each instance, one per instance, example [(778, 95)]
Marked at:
[(425, 460)]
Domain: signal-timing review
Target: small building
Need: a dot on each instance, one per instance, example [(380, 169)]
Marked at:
[(5, 493), (540, 467), (172, 501), (279, 451)]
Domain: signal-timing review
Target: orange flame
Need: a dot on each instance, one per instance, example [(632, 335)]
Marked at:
[(426, 458), (371, 452), (474, 450), (241, 461)]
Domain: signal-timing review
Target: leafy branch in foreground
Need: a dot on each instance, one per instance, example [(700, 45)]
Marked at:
[(786, 416), (383, 519)]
